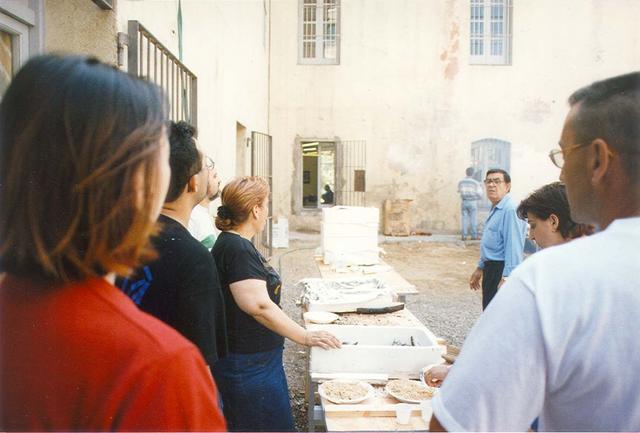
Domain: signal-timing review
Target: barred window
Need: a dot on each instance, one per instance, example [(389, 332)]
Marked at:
[(490, 32), (319, 35)]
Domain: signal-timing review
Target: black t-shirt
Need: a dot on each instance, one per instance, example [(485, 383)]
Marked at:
[(237, 259), (181, 288)]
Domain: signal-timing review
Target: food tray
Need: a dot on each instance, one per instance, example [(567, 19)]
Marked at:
[(391, 389), (325, 393)]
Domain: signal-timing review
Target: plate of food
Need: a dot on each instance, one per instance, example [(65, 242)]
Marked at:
[(409, 391), (320, 317), (341, 391)]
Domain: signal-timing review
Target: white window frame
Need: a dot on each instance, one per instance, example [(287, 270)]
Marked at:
[(320, 37), (19, 40), (481, 31)]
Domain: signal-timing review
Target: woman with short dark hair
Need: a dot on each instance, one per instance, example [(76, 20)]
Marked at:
[(83, 174), (547, 212)]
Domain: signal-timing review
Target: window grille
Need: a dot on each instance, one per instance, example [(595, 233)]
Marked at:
[(319, 32), (490, 32)]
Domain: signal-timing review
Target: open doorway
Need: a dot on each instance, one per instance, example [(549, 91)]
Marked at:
[(318, 174), (243, 155)]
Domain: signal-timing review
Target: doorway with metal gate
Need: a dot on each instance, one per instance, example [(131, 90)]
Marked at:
[(333, 173), (262, 165)]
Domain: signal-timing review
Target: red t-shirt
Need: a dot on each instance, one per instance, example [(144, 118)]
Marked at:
[(82, 357)]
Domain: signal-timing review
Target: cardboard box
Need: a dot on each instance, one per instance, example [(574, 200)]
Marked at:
[(397, 217)]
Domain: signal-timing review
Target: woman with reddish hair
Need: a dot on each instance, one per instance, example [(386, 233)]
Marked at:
[(83, 174), (251, 377)]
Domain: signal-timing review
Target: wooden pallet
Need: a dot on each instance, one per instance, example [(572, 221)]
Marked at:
[(375, 414)]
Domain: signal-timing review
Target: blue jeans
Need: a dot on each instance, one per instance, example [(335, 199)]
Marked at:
[(254, 391), (469, 211)]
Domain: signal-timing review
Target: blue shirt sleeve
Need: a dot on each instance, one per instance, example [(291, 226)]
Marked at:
[(514, 232)]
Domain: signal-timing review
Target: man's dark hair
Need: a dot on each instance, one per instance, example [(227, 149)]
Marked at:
[(506, 176), (469, 171), (550, 199), (185, 159), (610, 110)]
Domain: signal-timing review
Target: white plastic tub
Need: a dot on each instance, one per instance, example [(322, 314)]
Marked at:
[(375, 351)]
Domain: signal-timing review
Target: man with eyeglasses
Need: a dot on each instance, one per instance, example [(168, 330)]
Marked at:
[(502, 245), (201, 222), (181, 286), (560, 339)]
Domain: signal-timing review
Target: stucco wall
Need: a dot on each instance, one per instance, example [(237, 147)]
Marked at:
[(80, 27), (404, 84), (225, 44)]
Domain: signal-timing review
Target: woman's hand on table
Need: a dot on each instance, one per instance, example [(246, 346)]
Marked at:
[(322, 339)]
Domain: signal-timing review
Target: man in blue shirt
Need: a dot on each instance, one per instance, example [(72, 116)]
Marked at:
[(470, 192), (502, 239)]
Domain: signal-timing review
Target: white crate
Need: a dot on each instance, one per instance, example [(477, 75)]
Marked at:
[(349, 235), (349, 214)]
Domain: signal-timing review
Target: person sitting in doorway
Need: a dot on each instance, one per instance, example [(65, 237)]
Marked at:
[(327, 196)]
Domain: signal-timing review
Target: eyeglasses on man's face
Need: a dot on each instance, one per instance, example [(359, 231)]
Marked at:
[(493, 181), (557, 155)]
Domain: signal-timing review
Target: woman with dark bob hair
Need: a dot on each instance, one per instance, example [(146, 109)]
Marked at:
[(251, 377), (547, 212), (83, 174)]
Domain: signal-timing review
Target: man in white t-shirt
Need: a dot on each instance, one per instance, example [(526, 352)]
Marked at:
[(560, 339), (201, 223)]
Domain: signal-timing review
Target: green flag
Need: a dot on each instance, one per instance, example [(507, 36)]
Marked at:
[(180, 30)]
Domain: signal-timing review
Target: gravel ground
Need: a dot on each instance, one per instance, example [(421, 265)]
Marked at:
[(439, 268)]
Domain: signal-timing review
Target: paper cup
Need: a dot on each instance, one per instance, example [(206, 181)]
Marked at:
[(403, 413), (425, 409)]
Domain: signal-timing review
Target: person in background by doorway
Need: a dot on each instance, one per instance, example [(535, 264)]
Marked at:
[(201, 222), (470, 191), (327, 196), (502, 246)]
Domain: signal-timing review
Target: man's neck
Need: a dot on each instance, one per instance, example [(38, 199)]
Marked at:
[(623, 209), (496, 203), (179, 211)]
